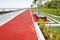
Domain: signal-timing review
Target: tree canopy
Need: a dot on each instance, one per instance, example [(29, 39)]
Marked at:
[(52, 4)]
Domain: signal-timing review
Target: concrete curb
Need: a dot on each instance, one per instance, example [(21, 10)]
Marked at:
[(38, 30)]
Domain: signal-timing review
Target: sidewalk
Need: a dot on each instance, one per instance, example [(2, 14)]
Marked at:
[(19, 28)]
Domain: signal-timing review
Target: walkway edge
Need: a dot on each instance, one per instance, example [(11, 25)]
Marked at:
[(38, 31)]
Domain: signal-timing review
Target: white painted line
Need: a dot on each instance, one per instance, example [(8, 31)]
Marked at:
[(54, 15), (38, 31), (53, 19), (51, 25), (8, 18)]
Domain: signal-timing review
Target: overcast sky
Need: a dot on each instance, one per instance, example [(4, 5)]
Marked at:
[(15, 3)]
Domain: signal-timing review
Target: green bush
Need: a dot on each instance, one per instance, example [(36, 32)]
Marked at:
[(47, 32), (41, 23), (33, 10)]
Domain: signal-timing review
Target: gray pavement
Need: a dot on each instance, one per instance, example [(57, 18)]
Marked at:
[(8, 16)]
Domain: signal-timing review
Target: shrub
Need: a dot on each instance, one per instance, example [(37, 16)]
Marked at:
[(41, 23), (47, 32)]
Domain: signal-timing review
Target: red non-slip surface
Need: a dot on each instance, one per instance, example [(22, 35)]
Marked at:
[(19, 28), (36, 19)]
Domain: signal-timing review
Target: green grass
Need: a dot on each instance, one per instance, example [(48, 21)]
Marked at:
[(57, 29), (57, 19), (51, 11), (49, 16)]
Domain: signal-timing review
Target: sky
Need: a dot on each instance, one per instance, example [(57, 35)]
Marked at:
[(15, 3)]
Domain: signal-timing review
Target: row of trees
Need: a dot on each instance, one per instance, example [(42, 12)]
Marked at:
[(52, 4), (49, 4), (52, 7), (36, 5)]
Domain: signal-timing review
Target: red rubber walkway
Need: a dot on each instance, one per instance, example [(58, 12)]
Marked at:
[(19, 28)]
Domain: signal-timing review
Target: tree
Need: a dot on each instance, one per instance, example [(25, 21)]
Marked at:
[(53, 4), (48, 5), (35, 1), (38, 3)]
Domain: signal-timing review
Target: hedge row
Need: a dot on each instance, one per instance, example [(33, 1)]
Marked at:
[(47, 32)]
